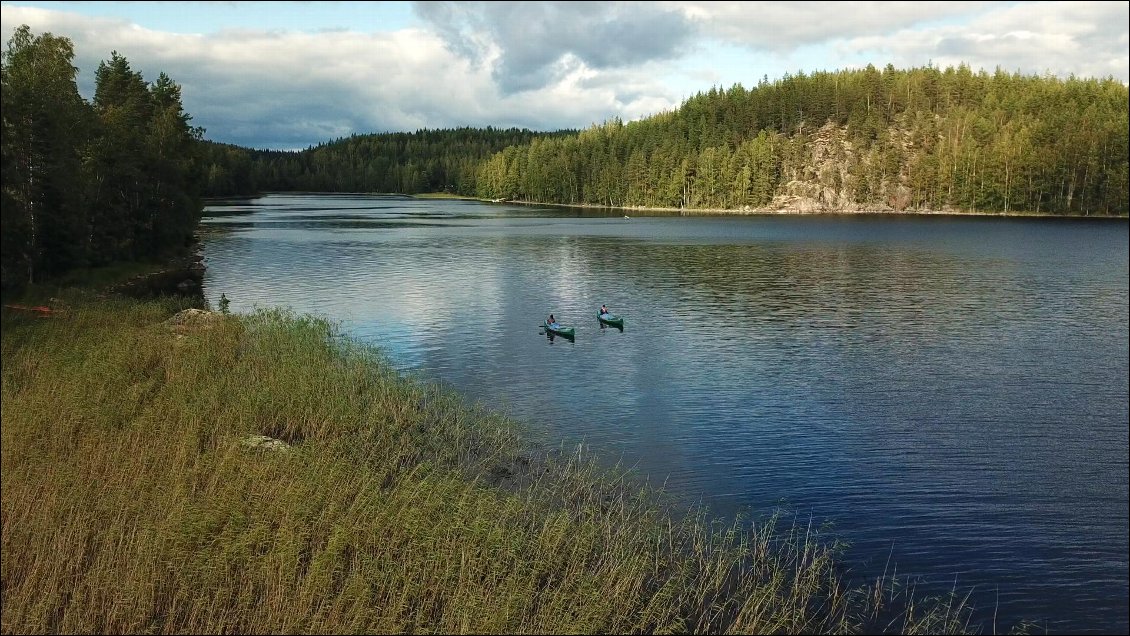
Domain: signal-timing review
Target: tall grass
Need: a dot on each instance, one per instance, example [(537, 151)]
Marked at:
[(130, 503)]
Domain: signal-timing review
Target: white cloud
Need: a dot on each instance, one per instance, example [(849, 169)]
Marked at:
[(529, 40), (547, 66), (295, 89), (1087, 39), (782, 26)]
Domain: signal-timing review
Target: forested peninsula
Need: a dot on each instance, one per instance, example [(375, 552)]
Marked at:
[(918, 140)]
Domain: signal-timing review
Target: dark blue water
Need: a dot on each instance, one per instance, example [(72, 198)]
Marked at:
[(950, 393)]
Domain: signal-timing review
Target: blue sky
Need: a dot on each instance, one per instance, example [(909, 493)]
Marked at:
[(287, 75)]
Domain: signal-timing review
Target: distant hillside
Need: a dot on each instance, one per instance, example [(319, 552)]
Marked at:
[(923, 139), (422, 161)]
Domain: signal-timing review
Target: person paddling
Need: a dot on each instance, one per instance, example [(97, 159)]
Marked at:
[(603, 310)]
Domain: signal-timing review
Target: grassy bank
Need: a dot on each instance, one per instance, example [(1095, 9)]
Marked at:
[(132, 502)]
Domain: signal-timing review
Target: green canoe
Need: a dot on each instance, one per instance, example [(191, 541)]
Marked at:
[(611, 319), (558, 329)]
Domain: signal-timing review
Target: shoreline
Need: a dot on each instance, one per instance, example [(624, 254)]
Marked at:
[(796, 211), (801, 210)]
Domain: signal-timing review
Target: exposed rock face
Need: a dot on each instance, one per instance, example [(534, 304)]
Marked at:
[(193, 320), (828, 177)]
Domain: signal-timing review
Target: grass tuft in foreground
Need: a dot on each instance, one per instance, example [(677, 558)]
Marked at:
[(131, 503)]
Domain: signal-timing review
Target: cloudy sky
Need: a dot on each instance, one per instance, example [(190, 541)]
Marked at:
[(287, 75)]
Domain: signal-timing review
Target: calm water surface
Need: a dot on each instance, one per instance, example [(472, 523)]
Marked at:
[(951, 393)]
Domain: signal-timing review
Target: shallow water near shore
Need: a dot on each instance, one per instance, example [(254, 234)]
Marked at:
[(950, 393)]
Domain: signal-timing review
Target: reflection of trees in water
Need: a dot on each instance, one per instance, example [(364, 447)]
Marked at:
[(812, 285)]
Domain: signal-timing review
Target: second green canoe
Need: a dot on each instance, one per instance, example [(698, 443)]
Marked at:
[(611, 319)]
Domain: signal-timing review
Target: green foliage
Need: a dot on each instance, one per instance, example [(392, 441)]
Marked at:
[(46, 129), (88, 184), (916, 139), (408, 163)]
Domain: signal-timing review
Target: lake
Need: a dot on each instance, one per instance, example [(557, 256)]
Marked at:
[(950, 393)]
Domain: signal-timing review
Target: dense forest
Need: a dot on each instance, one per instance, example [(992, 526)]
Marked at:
[(923, 139), (90, 183), (904, 140), (408, 163)]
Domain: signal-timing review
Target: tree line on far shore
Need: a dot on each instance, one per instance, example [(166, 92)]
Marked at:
[(920, 139), (440, 160)]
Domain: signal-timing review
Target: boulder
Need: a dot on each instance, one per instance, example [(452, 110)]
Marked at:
[(262, 442), (194, 317)]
